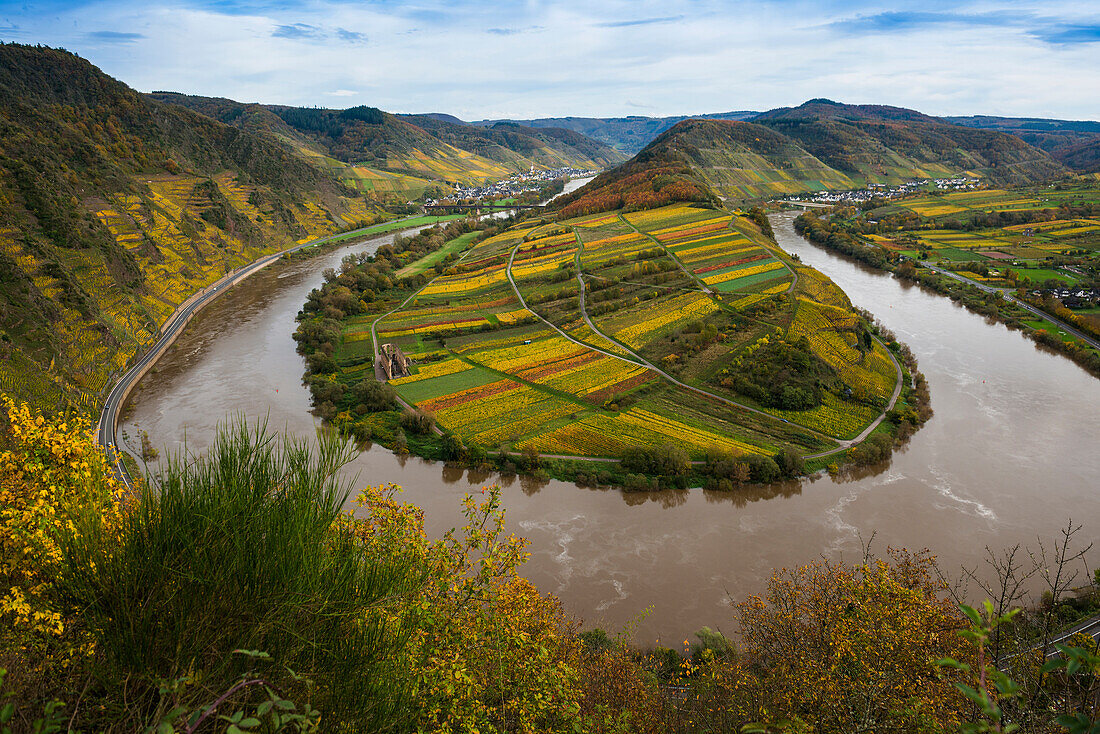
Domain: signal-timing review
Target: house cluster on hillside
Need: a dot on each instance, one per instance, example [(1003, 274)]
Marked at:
[(532, 180), (884, 191)]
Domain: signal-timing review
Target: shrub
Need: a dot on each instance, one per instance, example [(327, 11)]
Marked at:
[(242, 548), (51, 473)]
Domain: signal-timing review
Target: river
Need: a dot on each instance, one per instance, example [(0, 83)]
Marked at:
[(1010, 453)]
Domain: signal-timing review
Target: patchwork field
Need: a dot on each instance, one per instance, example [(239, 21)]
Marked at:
[(1026, 227), (593, 336)]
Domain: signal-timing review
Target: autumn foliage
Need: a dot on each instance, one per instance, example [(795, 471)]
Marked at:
[(51, 472), (382, 624), (636, 187)]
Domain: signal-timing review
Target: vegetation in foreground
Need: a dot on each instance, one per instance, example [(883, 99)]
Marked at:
[(679, 340), (238, 596)]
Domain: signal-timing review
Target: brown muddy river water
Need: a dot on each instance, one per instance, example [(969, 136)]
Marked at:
[(1011, 453)]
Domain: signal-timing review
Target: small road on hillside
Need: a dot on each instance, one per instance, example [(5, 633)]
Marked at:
[(1004, 293), (107, 429), (1089, 626)]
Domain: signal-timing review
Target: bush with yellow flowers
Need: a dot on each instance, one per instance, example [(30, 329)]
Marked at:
[(488, 651), (51, 473)]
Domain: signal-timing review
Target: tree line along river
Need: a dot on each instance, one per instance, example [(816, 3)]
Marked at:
[(1010, 454)]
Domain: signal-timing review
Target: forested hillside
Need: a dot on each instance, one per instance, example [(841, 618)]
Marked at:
[(820, 145), (114, 208), (1068, 141), (876, 143), (625, 134), (435, 149)]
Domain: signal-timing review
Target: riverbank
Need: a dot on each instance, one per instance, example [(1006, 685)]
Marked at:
[(107, 424), (444, 335), (1007, 455), (980, 298)]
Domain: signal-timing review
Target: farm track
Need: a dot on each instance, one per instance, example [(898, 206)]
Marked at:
[(691, 276), (842, 443), (657, 370), (636, 359)]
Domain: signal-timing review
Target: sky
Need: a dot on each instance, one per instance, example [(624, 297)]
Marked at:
[(478, 59)]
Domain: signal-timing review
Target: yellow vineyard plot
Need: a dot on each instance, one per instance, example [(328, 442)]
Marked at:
[(456, 284), (435, 369), (511, 317), (516, 357), (743, 272), (679, 308)]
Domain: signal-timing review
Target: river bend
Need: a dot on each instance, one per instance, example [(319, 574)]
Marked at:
[(1010, 453)]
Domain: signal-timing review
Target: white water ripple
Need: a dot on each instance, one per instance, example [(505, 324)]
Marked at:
[(969, 506)]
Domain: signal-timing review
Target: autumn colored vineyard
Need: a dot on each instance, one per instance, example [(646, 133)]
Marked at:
[(603, 334)]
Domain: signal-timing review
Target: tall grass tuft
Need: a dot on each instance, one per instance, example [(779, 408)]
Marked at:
[(242, 548)]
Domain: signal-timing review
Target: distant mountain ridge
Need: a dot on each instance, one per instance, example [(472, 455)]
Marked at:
[(1067, 141), (818, 145), (1075, 143), (625, 134), (432, 147)]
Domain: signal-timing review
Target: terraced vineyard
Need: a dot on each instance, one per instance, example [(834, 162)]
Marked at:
[(596, 335)]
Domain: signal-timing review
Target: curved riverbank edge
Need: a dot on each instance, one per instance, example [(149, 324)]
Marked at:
[(940, 281), (437, 444), (107, 425)]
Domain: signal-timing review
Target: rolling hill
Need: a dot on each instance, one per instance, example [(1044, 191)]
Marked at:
[(406, 154), (819, 145), (115, 207), (889, 144), (1067, 141)]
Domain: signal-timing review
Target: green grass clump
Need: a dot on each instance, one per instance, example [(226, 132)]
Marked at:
[(243, 549)]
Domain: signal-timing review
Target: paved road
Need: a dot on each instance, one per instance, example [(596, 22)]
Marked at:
[(107, 428), (1090, 627), (1004, 293), (813, 204)]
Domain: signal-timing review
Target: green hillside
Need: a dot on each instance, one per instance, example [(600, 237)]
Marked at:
[(874, 143), (114, 208), (820, 145), (405, 155), (1065, 140)]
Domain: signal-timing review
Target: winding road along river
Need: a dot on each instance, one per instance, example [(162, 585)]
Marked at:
[(1011, 453)]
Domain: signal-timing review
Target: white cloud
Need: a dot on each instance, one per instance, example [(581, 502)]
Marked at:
[(542, 58)]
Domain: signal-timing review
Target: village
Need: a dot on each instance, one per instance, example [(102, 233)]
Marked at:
[(884, 191), (532, 180), (1074, 297)]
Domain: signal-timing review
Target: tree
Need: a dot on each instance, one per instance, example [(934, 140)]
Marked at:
[(666, 460), (852, 648)]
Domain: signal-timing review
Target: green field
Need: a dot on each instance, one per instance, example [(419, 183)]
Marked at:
[(1040, 275), (428, 261)]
